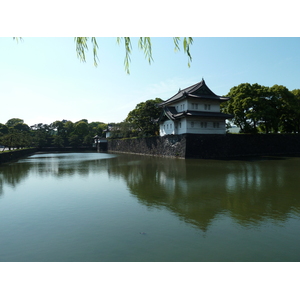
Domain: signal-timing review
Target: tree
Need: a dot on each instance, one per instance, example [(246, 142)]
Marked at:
[(42, 135), (74, 140), (283, 103), (39, 138), (143, 116), (245, 105), (12, 122), (21, 127), (81, 129), (296, 111), (59, 126), (259, 108), (69, 128), (58, 141), (97, 128), (3, 129)]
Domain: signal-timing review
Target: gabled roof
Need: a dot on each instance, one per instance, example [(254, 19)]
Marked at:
[(198, 91)]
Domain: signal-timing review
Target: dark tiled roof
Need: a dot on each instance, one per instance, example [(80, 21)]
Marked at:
[(171, 113), (199, 91), (208, 114)]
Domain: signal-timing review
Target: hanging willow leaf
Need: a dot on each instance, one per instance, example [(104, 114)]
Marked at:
[(17, 39), (186, 46), (144, 44), (82, 48), (176, 41), (95, 47)]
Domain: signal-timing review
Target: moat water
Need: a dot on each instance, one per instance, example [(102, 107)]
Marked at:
[(103, 207)]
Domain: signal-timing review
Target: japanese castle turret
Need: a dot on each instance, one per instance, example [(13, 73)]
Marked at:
[(195, 109)]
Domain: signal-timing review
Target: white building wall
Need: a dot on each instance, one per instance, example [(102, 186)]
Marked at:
[(168, 127), (206, 126), (195, 126), (182, 106), (181, 126), (205, 105)]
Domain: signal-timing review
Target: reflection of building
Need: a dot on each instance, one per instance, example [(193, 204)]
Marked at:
[(195, 109)]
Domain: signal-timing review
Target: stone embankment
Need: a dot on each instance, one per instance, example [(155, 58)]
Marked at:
[(210, 145), (14, 155), (170, 146)]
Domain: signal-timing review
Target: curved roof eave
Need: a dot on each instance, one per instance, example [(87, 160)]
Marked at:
[(198, 91), (218, 98)]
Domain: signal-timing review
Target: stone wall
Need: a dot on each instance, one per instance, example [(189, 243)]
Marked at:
[(171, 146), (235, 145), (9, 156), (210, 145)]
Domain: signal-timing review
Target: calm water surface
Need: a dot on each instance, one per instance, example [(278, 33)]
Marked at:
[(106, 207)]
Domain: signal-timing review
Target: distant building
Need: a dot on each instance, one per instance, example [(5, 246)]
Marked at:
[(195, 109), (108, 130)]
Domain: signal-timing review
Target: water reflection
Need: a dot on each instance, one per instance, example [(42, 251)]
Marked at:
[(13, 174), (197, 191)]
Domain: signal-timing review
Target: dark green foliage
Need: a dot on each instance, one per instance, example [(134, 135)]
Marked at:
[(142, 117), (58, 141), (259, 108), (12, 122), (75, 140), (3, 129), (17, 134)]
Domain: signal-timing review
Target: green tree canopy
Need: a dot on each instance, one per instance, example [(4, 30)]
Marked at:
[(81, 128), (3, 129), (296, 110), (12, 122), (59, 126), (143, 116), (260, 108), (21, 127)]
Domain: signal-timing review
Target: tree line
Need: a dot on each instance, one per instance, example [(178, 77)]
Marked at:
[(139, 123), (261, 109), (16, 134)]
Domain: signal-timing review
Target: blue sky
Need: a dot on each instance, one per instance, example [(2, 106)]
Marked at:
[(42, 80)]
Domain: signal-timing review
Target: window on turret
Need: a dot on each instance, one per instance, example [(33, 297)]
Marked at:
[(207, 106), (194, 105)]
